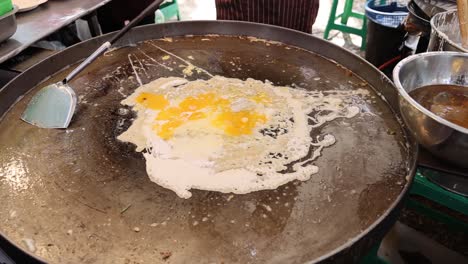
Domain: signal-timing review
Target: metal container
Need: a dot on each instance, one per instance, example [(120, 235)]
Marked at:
[(444, 139), (445, 35), (8, 24), (417, 22), (431, 8), (418, 26)]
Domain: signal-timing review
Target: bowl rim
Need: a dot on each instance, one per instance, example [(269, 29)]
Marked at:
[(441, 34), (408, 98)]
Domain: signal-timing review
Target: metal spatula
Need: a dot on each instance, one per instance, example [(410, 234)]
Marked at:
[(54, 105)]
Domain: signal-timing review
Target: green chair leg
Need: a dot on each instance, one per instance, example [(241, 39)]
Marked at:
[(348, 9), (178, 13), (343, 27), (331, 19), (364, 33)]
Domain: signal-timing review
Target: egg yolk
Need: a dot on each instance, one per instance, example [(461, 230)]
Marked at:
[(238, 123), (152, 101), (207, 105), (169, 113)]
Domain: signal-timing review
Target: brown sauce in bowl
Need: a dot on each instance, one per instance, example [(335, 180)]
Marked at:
[(447, 101)]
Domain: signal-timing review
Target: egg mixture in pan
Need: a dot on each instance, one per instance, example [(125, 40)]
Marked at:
[(80, 195)]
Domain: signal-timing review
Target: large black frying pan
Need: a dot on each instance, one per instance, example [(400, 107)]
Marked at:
[(80, 196)]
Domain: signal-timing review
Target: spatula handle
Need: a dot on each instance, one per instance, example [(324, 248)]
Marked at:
[(87, 62), (148, 10)]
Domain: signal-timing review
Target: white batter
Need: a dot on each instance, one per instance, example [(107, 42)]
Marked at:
[(230, 135)]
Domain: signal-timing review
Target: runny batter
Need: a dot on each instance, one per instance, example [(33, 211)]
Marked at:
[(230, 135)]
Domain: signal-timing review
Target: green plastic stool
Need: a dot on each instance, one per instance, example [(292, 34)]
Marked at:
[(422, 186), (5, 6), (342, 25), (168, 10)]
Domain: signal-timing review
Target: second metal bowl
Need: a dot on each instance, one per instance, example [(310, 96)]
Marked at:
[(445, 35), (442, 138)]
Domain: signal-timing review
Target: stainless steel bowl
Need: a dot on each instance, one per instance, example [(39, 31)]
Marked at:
[(8, 24), (444, 139), (445, 34)]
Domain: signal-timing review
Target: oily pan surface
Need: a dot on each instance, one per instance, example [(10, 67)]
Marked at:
[(80, 196)]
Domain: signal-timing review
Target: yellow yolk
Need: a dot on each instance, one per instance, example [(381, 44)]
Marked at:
[(238, 123), (166, 130), (196, 116), (193, 103), (201, 101), (201, 106), (169, 113), (152, 101)]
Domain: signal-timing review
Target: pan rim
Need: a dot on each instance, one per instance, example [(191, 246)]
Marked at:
[(215, 25)]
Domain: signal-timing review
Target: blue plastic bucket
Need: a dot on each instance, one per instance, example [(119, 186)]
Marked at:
[(386, 13)]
